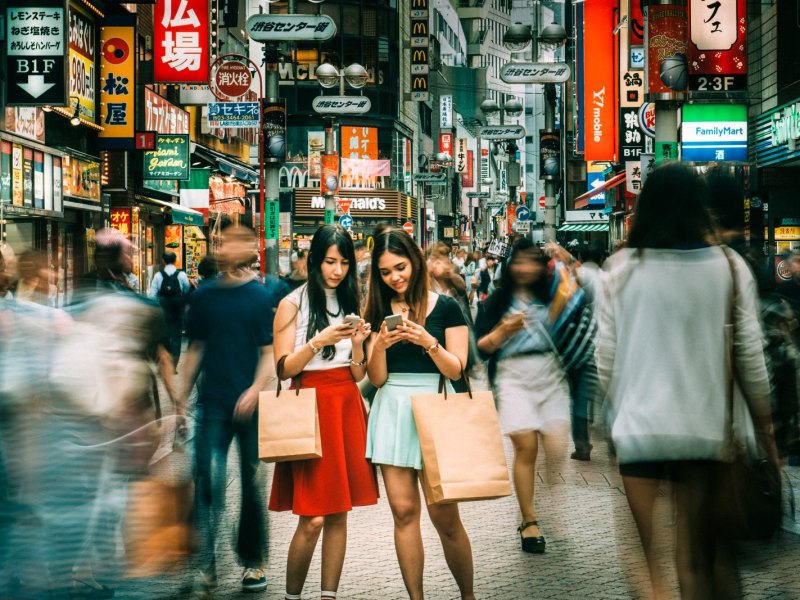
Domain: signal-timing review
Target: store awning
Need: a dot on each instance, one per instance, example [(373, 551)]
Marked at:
[(226, 164), (584, 227), (181, 215), (582, 201), (193, 232)]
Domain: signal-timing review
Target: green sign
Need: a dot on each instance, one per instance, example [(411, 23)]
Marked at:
[(170, 159), (328, 216), (271, 219), (666, 151)]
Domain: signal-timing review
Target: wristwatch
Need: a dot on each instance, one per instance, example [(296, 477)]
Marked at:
[(433, 350), (360, 363), (314, 349)]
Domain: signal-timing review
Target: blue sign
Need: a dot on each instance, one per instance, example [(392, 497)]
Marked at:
[(233, 114), (346, 221), (523, 213), (594, 180)]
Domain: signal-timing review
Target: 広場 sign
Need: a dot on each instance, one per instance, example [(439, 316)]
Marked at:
[(714, 132), (170, 159), (233, 114)]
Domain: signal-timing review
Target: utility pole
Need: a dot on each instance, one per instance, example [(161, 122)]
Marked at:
[(330, 148), (549, 184), (272, 176)]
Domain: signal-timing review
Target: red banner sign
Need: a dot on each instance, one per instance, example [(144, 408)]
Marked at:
[(446, 143), (181, 46), (468, 176), (667, 46), (599, 81), (120, 219), (717, 51)]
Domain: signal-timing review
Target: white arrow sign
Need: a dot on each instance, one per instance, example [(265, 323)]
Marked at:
[(535, 72), (341, 105), (36, 85), (502, 132), (288, 28)]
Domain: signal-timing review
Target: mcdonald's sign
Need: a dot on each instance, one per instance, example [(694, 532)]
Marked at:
[(419, 88), (420, 64), (419, 42), (419, 33), (419, 9)]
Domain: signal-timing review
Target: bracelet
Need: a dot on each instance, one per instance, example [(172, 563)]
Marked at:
[(314, 349), (433, 350), (358, 364)]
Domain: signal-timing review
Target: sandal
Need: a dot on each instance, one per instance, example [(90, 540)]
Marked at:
[(534, 545)]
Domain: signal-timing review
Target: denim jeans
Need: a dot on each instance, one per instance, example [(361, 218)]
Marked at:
[(212, 442), (583, 389)]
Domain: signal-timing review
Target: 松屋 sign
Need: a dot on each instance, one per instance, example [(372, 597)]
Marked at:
[(717, 45), (35, 38), (181, 44), (714, 132), (233, 114), (117, 82)]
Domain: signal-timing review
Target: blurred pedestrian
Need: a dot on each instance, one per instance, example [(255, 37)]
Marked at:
[(230, 340), (207, 269), (486, 277), (662, 357), (530, 385), (35, 278), (317, 347), (171, 286), (299, 273), (409, 359), (362, 269)]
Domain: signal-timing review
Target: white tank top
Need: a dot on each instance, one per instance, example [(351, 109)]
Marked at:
[(344, 349)]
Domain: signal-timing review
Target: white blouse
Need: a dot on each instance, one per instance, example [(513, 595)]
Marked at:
[(344, 349)]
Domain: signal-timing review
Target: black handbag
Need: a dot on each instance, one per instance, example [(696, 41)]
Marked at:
[(748, 502)]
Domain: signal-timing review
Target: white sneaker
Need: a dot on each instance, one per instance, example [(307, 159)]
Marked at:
[(254, 580)]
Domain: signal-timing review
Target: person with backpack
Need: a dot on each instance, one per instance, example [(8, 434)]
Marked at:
[(170, 286)]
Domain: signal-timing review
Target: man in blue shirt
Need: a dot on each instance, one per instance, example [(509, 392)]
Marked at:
[(230, 341)]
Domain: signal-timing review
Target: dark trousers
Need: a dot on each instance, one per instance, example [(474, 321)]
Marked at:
[(583, 390), (175, 330), (213, 441)]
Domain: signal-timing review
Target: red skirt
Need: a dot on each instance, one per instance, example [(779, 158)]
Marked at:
[(343, 477)]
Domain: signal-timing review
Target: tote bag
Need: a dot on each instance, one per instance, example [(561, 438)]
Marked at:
[(288, 424), (462, 447)]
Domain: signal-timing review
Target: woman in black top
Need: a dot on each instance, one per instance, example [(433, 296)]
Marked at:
[(431, 342)]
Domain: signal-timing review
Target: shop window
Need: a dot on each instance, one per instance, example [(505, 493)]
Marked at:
[(369, 26)]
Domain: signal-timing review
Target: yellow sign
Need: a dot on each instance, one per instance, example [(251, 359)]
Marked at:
[(16, 175), (117, 77), (785, 233), (81, 61)]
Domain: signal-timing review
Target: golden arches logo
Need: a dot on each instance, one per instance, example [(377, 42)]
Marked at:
[(419, 28), (419, 56), (419, 83)]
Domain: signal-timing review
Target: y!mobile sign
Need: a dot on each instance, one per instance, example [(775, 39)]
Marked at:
[(181, 44), (600, 107)]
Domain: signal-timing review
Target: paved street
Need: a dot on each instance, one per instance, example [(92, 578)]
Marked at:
[(592, 549)]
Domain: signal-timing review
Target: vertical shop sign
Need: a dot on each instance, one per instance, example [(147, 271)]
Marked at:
[(667, 48), (419, 42), (162, 116), (446, 112), (468, 176), (446, 143), (329, 180), (272, 219), (181, 45), (631, 136), (549, 154), (631, 83), (120, 219), (5, 171), (82, 60), (599, 89), (717, 45), (633, 176), (580, 139), (461, 155), (58, 182), (273, 135), (16, 174), (359, 142), (38, 179), (118, 82), (27, 177)]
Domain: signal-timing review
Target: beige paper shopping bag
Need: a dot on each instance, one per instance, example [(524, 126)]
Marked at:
[(288, 424), (462, 447)]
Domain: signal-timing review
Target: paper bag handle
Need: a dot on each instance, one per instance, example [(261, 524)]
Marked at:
[(279, 373), (464, 377)]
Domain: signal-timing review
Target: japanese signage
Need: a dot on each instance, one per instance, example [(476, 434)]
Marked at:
[(273, 135), (180, 45), (233, 114), (446, 112), (633, 176), (599, 82), (420, 44), (118, 81), (502, 132), (81, 178), (329, 179), (27, 177), (595, 178), (162, 116), (170, 159), (16, 174), (446, 143), (288, 28), (468, 176), (580, 70), (631, 82), (36, 38), (714, 132), (25, 121), (631, 136), (549, 154), (586, 215), (272, 217), (359, 142), (5, 171), (717, 37), (120, 219), (341, 105), (535, 72), (667, 47), (230, 79), (81, 60), (461, 155)]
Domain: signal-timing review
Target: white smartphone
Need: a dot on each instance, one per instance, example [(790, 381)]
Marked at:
[(393, 322), (352, 320)]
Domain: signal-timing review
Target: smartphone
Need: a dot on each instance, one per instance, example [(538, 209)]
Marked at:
[(393, 321), (352, 320)]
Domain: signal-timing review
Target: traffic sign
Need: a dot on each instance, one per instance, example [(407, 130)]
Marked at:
[(523, 213), (288, 28), (408, 227), (36, 39), (230, 79), (341, 105), (346, 221), (502, 132), (344, 204), (542, 202), (524, 72), (522, 226)]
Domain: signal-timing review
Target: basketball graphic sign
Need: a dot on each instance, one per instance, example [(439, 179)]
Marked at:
[(667, 48)]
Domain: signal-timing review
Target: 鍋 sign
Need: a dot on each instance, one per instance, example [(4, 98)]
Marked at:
[(170, 159)]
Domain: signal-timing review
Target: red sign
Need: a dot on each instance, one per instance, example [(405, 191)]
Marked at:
[(542, 202), (145, 140), (667, 48), (636, 20), (329, 179), (359, 142), (600, 98), (717, 51), (161, 116), (344, 204), (408, 227), (231, 79), (468, 176), (120, 219), (181, 45), (446, 143), (511, 217)]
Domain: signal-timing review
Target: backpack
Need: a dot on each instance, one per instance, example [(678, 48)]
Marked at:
[(170, 285)]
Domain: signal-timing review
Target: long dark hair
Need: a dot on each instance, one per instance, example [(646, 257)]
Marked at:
[(500, 300), (379, 294), (672, 210), (347, 292)]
